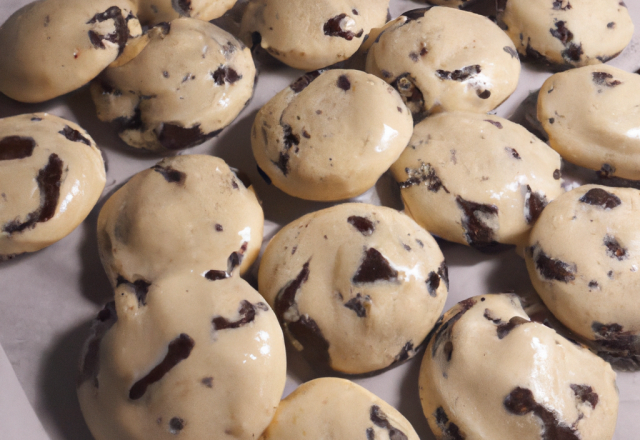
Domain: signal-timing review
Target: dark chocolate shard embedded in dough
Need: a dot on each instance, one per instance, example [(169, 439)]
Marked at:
[(511, 51), (600, 197), (179, 349), (140, 288), (476, 216), (225, 75), (235, 258), (442, 331), (380, 419), (301, 83), (16, 147), (374, 267), (183, 7), (286, 297), (521, 402), (585, 394), (315, 347), (513, 153), (505, 328), (613, 336), (49, 180), (606, 171), (534, 203), (176, 137), (407, 351), (555, 270), (215, 275), (459, 75), (207, 382), (365, 226), (483, 94), (496, 124), (371, 434), (411, 95), (333, 28), (415, 14), (605, 79), (343, 82), (614, 250), (247, 312), (357, 304), (424, 174), (433, 282), (573, 53), (119, 36), (450, 430), (176, 424), (443, 273), (74, 135), (557, 174), (100, 326), (562, 33), (170, 174), (559, 5)]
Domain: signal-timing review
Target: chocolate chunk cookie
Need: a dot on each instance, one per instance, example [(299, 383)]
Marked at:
[(490, 372), (356, 287), (51, 176)]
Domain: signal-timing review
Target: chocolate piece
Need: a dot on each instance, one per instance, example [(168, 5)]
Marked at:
[(614, 250), (215, 275), (308, 334), (207, 382), (557, 174), (552, 269), (442, 331), (604, 79), (175, 137), (410, 94), (16, 147), (557, 5), (286, 298), (499, 125), (380, 420), (120, 35), (374, 267), (415, 14), (606, 171), (505, 328), (333, 28), (170, 174), (443, 273), (74, 135), (513, 152), (357, 305), (182, 6), (586, 394), (459, 75), (91, 362), (176, 424), (301, 83), (362, 224), (247, 312), (573, 53), (511, 51), (225, 74), (140, 288), (562, 33), (612, 336), (425, 174), (534, 203), (406, 352), (477, 232), (343, 82), (450, 430), (484, 94), (600, 197), (433, 282)]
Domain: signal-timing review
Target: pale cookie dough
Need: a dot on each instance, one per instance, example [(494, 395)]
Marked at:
[(189, 356), (476, 179), (331, 135), (583, 261), (491, 373), (151, 12), (52, 47), (356, 287), (332, 408), (442, 59), (187, 212), (311, 34), (51, 176), (567, 33), (188, 82), (592, 117)]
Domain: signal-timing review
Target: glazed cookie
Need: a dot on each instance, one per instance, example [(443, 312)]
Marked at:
[(51, 176), (333, 29), (476, 179), (331, 135), (193, 355), (489, 372), (189, 81), (187, 212), (52, 47), (567, 33), (152, 12), (443, 59), (583, 261), (356, 287), (593, 119)]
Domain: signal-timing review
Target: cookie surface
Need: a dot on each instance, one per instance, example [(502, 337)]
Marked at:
[(567, 33), (189, 82), (187, 212), (151, 12), (338, 409), (330, 136), (53, 47), (476, 179), (333, 29), (442, 59), (489, 372), (189, 356), (583, 261), (51, 176), (357, 287), (592, 118)]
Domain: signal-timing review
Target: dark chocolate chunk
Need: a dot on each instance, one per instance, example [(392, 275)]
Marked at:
[(371, 435), (305, 134), (534, 203), (613, 337), (170, 174), (450, 430), (286, 297), (283, 163), (410, 94), (614, 250), (425, 174), (511, 51), (604, 79), (236, 258), (119, 36), (521, 402), (380, 419), (91, 362), (264, 176), (179, 350), (606, 171), (557, 5), (505, 328), (557, 174), (477, 232), (182, 6), (16, 147), (333, 28), (207, 382), (290, 139), (175, 137), (242, 176), (365, 226), (415, 14), (552, 269), (215, 275), (301, 83), (124, 123), (586, 394), (374, 267), (343, 82), (49, 180), (601, 198), (552, 120), (140, 288), (573, 52), (495, 123), (611, 25), (483, 94), (73, 135), (315, 347), (448, 350), (513, 152), (459, 75), (562, 33), (442, 331), (593, 284), (433, 282), (357, 305), (488, 314), (225, 74), (443, 273), (247, 312), (176, 424), (406, 352), (165, 28)]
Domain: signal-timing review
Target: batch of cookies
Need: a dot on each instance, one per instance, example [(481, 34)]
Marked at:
[(188, 349)]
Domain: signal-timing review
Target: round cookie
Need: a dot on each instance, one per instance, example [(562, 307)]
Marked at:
[(356, 287), (442, 59), (566, 33), (151, 12), (187, 212), (52, 47), (51, 176), (583, 261), (333, 30), (193, 355), (330, 135), (490, 372), (188, 82), (476, 179), (592, 118), (332, 408)]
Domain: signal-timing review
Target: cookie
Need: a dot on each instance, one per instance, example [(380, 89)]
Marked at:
[(338, 409), (593, 120), (567, 33), (333, 30), (442, 59), (187, 212), (583, 261), (356, 287), (151, 12), (188, 82), (188, 355), (476, 179), (330, 135), (51, 176), (52, 47), (490, 372)]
